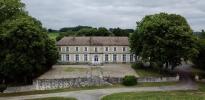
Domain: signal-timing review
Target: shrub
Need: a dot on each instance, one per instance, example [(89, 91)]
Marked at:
[(2, 87), (129, 80), (138, 65)]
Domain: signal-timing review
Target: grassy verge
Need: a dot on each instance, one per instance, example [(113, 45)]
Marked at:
[(170, 95), (85, 88), (174, 95), (54, 98)]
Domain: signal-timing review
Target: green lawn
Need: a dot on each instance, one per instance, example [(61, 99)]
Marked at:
[(85, 88), (53, 35), (54, 98), (171, 95), (157, 96)]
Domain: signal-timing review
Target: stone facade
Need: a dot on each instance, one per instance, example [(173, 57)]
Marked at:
[(94, 53)]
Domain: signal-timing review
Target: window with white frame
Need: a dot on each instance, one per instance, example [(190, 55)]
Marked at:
[(76, 48), (77, 58), (124, 58), (85, 57), (67, 57), (123, 49), (96, 49), (106, 48), (96, 58), (114, 57), (85, 49), (67, 49), (106, 57), (115, 49)]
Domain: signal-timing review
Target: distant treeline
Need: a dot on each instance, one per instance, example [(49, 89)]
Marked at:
[(90, 31)]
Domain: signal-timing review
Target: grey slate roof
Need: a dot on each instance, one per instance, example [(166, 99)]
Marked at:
[(93, 41)]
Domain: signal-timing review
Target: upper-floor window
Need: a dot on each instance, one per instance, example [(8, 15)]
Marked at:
[(123, 49), (115, 49), (106, 48), (76, 48), (85, 49), (96, 49), (67, 48)]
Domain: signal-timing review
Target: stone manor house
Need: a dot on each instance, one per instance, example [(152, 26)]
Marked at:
[(94, 50)]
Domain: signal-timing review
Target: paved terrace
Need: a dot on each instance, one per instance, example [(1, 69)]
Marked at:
[(73, 71)]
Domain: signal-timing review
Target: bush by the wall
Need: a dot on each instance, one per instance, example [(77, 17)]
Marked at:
[(129, 80)]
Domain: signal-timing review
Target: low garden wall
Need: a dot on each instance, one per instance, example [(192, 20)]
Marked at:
[(158, 79), (45, 84)]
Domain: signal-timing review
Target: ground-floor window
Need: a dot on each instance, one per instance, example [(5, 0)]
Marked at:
[(114, 57), (124, 57), (67, 57), (85, 57), (77, 58), (106, 57), (96, 58)]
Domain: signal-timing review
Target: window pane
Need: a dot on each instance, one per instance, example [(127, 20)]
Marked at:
[(67, 57), (86, 57), (114, 58), (124, 58), (106, 58)]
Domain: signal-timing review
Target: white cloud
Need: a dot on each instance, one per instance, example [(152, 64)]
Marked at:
[(112, 13)]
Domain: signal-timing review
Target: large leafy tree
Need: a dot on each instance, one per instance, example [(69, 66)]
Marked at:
[(164, 38), (199, 61), (26, 50)]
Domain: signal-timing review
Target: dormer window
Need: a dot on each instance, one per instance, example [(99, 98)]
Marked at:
[(67, 48)]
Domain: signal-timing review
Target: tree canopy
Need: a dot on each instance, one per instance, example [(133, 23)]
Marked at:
[(26, 50), (165, 39), (90, 31)]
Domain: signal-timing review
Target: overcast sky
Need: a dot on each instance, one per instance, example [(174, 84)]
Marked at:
[(112, 13)]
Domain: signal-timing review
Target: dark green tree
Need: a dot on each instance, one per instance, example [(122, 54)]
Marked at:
[(165, 39), (102, 32), (26, 50), (121, 32), (199, 61)]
